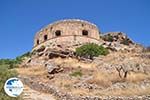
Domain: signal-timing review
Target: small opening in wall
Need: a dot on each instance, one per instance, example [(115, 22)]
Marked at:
[(85, 32), (82, 25), (37, 42), (45, 37), (58, 33), (75, 37), (46, 29), (51, 28)]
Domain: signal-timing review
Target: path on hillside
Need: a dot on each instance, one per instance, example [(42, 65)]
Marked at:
[(30, 94)]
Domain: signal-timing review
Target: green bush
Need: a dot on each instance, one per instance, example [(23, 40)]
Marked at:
[(76, 73), (6, 73), (42, 48), (108, 38), (13, 63), (91, 50), (33, 52), (125, 41), (10, 63), (19, 59)]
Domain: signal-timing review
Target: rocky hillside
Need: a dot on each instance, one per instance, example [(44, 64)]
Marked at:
[(116, 41), (122, 74)]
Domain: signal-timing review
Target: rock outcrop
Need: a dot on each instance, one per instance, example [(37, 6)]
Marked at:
[(116, 41)]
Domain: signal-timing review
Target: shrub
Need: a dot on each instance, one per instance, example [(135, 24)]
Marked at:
[(108, 38), (90, 50), (76, 73), (10, 63), (6, 73), (42, 48), (13, 63), (27, 54), (19, 59), (33, 52), (125, 41)]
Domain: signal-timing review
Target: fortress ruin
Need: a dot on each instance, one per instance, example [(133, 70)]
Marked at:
[(69, 32)]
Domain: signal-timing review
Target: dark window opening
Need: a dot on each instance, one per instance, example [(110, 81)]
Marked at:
[(85, 32), (45, 37), (37, 42), (46, 29), (51, 28), (82, 25), (58, 33), (75, 38)]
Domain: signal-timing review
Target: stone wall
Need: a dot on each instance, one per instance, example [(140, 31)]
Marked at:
[(60, 95), (69, 31)]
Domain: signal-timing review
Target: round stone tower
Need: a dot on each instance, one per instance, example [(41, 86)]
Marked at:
[(67, 32)]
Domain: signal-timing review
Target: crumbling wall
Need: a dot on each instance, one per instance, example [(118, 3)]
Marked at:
[(70, 31)]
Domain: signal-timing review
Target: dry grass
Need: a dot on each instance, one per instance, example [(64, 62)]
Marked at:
[(62, 83), (82, 92), (100, 78), (124, 92), (104, 79), (115, 92), (74, 63), (32, 71), (137, 77)]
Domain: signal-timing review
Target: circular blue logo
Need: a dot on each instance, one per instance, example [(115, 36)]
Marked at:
[(13, 87)]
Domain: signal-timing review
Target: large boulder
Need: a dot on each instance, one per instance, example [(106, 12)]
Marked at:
[(53, 68)]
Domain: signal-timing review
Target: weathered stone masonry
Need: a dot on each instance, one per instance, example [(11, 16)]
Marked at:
[(70, 32)]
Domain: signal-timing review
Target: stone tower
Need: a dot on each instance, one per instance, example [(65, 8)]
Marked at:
[(67, 32)]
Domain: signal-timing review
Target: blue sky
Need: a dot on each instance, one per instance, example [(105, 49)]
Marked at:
[(21, 19)]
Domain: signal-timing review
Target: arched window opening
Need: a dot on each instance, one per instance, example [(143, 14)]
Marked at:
[(85, 32), (45, 37), (37, 42), (58, 33), (82, 25), (51, 28)]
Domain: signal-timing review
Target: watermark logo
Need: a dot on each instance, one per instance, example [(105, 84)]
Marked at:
[(13, 87)]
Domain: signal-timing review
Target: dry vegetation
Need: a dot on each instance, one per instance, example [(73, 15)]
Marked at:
[(73, 63), (124, 92), (137, 77), (32, 71), (106, 81)]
